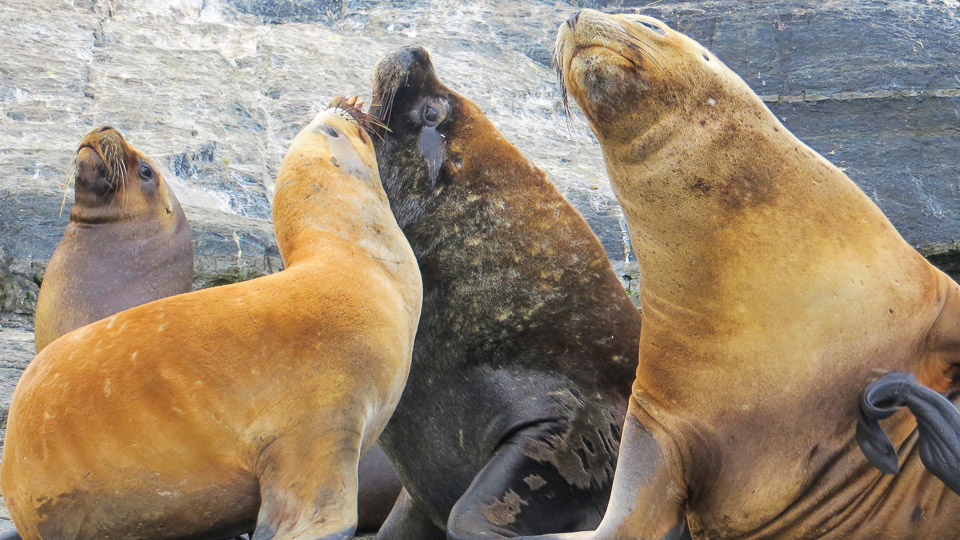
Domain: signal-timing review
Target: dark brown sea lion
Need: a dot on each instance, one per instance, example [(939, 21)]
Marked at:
[(127, 242), (202, 414), (511, 417), (774, 290)]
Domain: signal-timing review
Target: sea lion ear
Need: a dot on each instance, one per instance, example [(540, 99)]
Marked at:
[(938, 426)]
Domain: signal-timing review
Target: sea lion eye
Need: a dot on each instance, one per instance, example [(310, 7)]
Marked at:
[(431, 116), (146, 171), (653, 27)]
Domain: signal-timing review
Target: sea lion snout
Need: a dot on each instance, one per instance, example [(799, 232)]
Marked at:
[(101, 160), (401, 76)]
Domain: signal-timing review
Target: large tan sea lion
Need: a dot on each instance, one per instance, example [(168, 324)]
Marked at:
[(127, 242), (511, 418), (198, 415), (774, 291)]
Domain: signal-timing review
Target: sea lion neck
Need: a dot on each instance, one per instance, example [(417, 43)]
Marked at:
[(329, 191), (711, 234)]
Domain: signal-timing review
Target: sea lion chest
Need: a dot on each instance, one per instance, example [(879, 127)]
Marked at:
[(103, 269)]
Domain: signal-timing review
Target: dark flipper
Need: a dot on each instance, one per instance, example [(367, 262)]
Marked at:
[(515, 494), (938, 426), (10, 535), (407, 522), (378, 491)]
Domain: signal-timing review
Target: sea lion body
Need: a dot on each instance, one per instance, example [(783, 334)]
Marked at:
[(127, 242), (510, 420), (198, 415), (774, 290)]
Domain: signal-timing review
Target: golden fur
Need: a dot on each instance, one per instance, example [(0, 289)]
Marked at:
[(196, 415), (773, 292)]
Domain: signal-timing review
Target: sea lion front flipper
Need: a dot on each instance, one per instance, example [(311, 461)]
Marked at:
[(408, 522), (644, 501), (308, 487), (938, 425), (515, 494)]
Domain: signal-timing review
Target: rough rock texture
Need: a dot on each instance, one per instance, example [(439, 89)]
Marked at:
[(216, 89)]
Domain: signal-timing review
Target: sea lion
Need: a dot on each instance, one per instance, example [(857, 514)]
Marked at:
[(774, 290), (511, 417), (198, 415), (127, 242)]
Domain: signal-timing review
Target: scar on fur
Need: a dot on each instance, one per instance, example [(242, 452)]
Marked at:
[(504, 512)]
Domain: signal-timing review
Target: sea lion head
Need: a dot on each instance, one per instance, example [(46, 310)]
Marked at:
[(340, 134), (115, 182), (419, 118), (343, 123), (628, 71)]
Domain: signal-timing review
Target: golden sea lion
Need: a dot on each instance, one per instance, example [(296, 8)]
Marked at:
[(198, 415), (127, 242), (774, 291)]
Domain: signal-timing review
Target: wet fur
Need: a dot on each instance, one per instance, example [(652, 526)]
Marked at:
[(527, 339)]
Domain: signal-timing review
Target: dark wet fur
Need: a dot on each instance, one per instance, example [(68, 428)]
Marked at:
[(527, 342)]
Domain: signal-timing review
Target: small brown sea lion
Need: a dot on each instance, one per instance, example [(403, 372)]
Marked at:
[(127, 242)]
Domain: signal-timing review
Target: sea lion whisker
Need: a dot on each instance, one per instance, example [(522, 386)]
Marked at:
[(66, 186), (350, 107), (561, 83), (385, 107), (637, 46)]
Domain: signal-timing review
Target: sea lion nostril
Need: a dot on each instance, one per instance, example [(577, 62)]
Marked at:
[(572, 21)]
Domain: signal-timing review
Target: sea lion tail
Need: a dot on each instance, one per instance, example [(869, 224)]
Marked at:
[(938, 426)]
